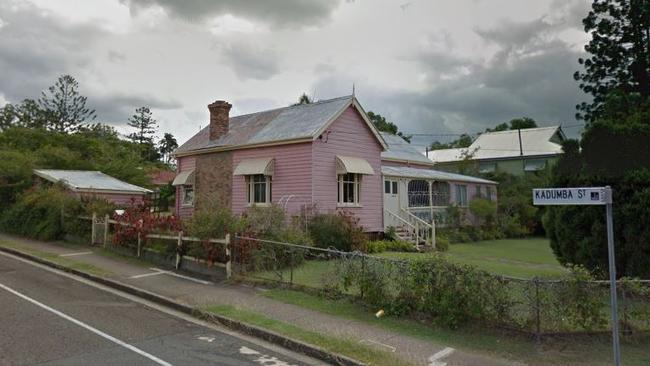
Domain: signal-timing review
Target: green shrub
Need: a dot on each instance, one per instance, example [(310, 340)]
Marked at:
[(485, 211), (442, 243), (212, 221), (38, 213), (379, 246), (340, 231)]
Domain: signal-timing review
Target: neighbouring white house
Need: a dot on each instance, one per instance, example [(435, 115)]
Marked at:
[(516, 152)]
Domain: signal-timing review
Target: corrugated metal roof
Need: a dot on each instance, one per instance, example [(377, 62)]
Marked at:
[(505, 144), (88, 180), (398, 149), (431, 174), (293, 122)]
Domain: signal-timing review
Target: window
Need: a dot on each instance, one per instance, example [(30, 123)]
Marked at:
[(488, 193), (188, 195), (418, 193), (348, 189), (390, 187), (533, 165), (479, 194), (461, 195), (440, 193), (487, 167), (259, 189)]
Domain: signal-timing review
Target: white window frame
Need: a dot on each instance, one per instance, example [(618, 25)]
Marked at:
[(356, 191), (250, 189), (184, 190), (461, 195)]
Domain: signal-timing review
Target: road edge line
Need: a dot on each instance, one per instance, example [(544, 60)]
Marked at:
[(251, 330)]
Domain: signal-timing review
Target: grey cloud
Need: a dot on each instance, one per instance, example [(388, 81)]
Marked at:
[(511, 33), (115, 57), (280, 13), (37, 48), (250, 61), (115, 109)]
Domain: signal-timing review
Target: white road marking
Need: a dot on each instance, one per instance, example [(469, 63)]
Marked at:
[(88, 327), (183, 277), (367, 341), (434, 360), (263, 359), (74, 254), (207, 339), (149, 274)]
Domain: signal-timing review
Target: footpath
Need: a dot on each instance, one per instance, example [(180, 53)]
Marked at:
[(201, 294)]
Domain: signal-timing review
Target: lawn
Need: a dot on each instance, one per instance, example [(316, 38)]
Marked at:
[(525, 258)]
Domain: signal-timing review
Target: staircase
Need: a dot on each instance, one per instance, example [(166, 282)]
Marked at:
[(412, 229)]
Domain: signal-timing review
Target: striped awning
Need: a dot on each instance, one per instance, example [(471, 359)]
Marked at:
[(184, 178), (348, 164), (265, 166)]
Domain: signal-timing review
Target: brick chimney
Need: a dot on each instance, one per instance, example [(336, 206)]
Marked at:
[(219, 112)]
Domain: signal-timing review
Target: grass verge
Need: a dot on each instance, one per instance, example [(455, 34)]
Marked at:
[(345, 347), (571, 350)]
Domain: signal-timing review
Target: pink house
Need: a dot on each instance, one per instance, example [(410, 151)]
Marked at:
[(325, 154)]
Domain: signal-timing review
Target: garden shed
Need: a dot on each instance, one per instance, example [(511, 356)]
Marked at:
[(92, 183)]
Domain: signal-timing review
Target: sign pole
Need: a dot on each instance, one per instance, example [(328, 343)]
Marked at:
[(612, 277), (591, 196)]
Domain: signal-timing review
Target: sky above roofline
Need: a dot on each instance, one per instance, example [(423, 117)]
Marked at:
[(438, 68)]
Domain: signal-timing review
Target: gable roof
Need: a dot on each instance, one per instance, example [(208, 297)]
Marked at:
[(400, 150), (298, 123), (505, 144), (89, 181)]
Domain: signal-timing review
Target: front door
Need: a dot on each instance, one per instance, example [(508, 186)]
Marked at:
[(391, 201)]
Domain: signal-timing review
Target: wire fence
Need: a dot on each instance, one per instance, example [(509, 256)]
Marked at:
[(438, 289)]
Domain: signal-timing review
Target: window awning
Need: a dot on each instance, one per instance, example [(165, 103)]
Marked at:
[(184, 178), (265, 166), (348, 164)]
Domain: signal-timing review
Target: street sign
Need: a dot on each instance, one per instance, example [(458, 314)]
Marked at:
[(590, 196), (571, 196)]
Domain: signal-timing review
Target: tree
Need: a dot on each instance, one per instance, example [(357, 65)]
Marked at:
[(384, 125), (614, 147), (462, 141), (619, 54), (166, 146), (304, 99), (145, 129), (514, 124), (26, 114), (145, 126), (64, 107)]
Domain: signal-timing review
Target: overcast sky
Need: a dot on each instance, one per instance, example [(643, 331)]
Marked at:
[(437, 66)]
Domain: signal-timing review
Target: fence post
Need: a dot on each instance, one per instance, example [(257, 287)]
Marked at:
[(228, 258), (106, 227), (290, 266), (538, 324), (139, 242), (179, 243), (93, 232)]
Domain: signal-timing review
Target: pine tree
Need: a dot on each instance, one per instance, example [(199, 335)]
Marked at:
[(619, 50), (145, 130), (64, 107), (166, 146)]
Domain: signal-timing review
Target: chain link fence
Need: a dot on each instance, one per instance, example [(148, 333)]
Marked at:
[(437, 289)]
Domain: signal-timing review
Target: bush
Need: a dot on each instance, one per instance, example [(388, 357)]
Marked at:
[(442, 243), (379, 246), (38, 213), (484, 211), (339, 231)]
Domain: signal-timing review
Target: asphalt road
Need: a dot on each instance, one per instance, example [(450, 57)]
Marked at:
[(49, 318)]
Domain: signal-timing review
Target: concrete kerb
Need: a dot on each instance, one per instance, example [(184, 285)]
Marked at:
[(269, 336)]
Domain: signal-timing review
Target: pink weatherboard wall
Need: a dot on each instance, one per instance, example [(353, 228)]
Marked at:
[(291, 183), (348, 136), (183, 164)]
